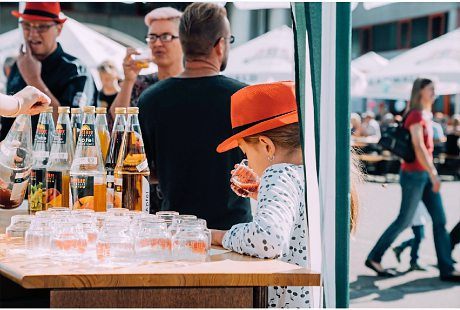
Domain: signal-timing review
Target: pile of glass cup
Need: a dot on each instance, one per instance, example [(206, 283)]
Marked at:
[(117, 236)]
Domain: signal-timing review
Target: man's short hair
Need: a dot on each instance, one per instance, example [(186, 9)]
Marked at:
[(201, 25), (165, 13)]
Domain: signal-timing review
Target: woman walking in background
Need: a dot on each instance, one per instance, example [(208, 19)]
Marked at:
[(419, 182)]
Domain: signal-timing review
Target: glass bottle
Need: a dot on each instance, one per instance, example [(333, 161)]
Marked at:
[(59, 163), (42, 147), (15, 163), (103, 131), (115, 144), (87, 174), (132, 170), (75, 123)]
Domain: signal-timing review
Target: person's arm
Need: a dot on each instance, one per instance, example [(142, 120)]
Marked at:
[(131, 72), (27, 101), (270, 231), (30, 70), (422, 155)]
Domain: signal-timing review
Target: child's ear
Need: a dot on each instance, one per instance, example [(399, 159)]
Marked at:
[(268, 145)]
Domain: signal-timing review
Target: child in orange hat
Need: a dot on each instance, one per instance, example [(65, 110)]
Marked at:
[(265, 125)]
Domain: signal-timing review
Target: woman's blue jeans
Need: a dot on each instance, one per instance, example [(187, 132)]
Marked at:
[(414, 243), (417, 186)]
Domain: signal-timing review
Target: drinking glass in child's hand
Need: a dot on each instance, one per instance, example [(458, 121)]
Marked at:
[(244, 181)]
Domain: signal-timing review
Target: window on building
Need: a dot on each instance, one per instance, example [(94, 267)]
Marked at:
[(366, 40), (419, 33), (384, 37), (404, 34), (437, 26)]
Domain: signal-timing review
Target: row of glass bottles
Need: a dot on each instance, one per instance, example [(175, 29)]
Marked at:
[(101, 174)]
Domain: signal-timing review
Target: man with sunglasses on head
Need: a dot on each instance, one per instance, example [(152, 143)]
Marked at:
[(42, 63), (163, 41), (184, 118)]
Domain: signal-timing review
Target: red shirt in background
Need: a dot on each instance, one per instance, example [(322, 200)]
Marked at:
[(423, 118)]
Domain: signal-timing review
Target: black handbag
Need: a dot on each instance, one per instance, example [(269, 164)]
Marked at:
[(397, 140)]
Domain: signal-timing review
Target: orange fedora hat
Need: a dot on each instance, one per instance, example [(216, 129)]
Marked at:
[(258, 108), (44, 11)]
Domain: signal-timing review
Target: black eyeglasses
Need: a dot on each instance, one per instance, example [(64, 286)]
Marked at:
[(40, 28), (165, 37), (231, 39)]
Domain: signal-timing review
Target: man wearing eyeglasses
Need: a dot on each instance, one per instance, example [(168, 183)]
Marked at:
[(42, 63), (163, 41), (183, 119)]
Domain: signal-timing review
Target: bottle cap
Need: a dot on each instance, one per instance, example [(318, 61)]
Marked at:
[(101, 110), (120, 110), (133, 110), (75, 111), (63, 110), (89, 109)]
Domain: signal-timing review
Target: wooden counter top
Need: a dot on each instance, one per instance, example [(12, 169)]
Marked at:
[(225, 269)]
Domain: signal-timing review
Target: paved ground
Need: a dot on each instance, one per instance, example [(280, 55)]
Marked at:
[(380, 206)]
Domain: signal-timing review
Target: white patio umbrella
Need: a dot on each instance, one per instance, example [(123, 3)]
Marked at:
[(369, 62), (270, 57), (438, 59), (78, 40)]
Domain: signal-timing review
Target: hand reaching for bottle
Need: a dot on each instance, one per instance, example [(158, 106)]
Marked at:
[(31, 101)]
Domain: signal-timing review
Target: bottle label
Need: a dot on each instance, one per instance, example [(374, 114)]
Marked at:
[(41, 136), (82, 188), (59, 156), (110, 189), (142, 166), (53, 189), (87, 135), (40, 154), (145, 195), (118, 192), (21, 180), (37, 191), (86, 161), (61, 134)]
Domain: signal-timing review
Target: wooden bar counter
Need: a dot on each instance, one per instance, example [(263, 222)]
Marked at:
[(226, 280)]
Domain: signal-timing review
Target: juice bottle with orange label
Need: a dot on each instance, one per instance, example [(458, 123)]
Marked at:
[(87, 174), (60, 161), (114, 150), (75, 124), (132, 170), (103, 131), (42, 147)]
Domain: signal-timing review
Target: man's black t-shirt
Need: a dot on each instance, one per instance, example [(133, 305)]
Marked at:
[(183, 120), (64, 75)]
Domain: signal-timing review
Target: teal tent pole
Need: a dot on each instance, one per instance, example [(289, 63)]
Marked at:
[(342, 95)]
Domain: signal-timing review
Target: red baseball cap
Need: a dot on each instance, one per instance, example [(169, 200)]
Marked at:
[(258, 108), (45, 11)]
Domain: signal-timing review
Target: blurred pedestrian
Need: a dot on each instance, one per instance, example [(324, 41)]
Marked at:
[(44, 64), (388, 120), (110, 87), (163, 41), (370, 127), (355, 122), (184, 118), (419, 182), (421, 218), (8, 65)]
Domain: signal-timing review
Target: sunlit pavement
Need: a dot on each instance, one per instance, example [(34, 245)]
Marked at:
[(380, 205)]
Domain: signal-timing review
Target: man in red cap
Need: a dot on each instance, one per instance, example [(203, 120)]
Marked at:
[(43, 64)]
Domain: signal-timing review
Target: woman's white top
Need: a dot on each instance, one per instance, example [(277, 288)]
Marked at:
[(278, 229)]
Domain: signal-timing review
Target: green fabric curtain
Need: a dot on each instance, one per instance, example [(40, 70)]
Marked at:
[(307, 18)]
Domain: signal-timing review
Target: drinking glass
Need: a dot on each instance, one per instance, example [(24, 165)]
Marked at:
[(153, 240)]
